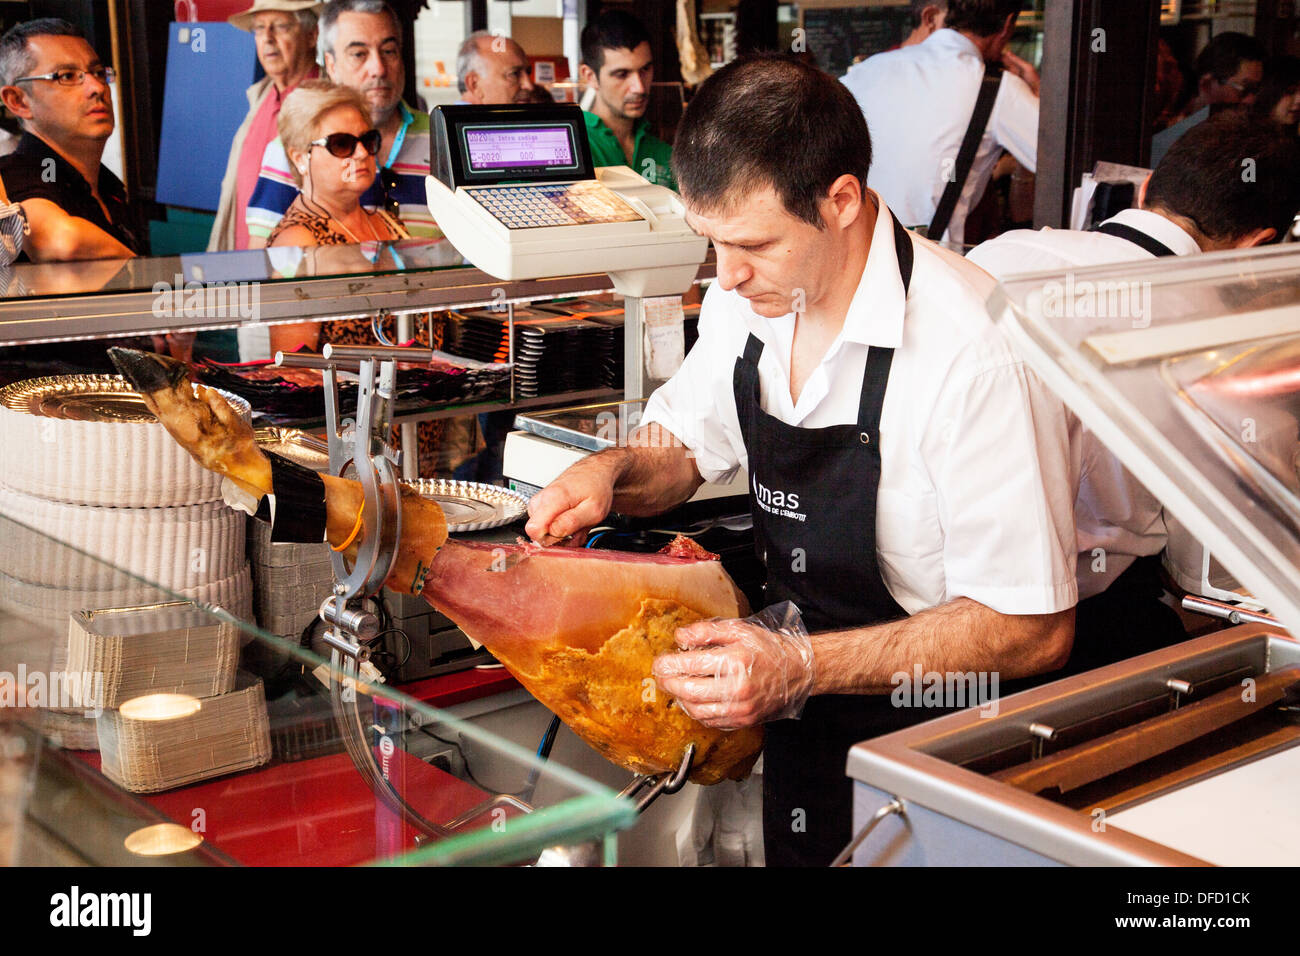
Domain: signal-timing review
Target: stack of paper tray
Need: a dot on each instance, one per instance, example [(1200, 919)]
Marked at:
[(159, 741), (290, 581), (122, 653)]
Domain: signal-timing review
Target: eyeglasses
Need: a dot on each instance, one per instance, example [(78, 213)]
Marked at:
[(387, 186), (1245, 89), (104, 74), (343, 145), (280, 29)]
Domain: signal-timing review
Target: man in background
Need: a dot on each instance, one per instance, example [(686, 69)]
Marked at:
[(284, 32), (1195, 201), (927, 16), (493, 70), (55, 83), (1228, 74), (919, 101), (618, 65), (361, 47)]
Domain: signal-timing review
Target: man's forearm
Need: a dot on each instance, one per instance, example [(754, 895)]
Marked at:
[(655, 472), (960, 636), (58, 237)]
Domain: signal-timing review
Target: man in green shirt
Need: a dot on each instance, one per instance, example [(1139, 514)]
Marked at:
[(618, 65)]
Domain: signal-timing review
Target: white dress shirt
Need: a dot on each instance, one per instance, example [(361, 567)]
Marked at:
[(918, 101), (1117, 519), (976, 493)]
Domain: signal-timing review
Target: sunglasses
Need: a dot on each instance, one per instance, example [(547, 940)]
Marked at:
[(343, 145)]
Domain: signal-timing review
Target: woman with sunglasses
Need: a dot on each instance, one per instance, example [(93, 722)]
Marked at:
[(331, 148)]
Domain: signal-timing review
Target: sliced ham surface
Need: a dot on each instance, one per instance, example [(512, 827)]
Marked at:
[(580, 628)]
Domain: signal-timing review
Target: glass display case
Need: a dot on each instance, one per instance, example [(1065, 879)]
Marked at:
[(145, 726), (144, 717), (1189, 372)]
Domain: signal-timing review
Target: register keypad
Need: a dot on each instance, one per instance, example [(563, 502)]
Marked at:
[(554, 204)]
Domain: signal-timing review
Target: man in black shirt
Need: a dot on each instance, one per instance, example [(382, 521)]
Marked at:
[(55, 83)]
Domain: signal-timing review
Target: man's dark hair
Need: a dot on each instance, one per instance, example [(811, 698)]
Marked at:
[(611, 30), (15, 58), (770, 120), (1223, 55), (981, 17), (1229, 176), (918, 8)]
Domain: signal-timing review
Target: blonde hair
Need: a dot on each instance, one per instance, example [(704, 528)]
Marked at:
[(300, 115)]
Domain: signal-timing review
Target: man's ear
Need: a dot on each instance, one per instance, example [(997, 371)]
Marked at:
[(1256, 237), (931, 18), (16, 101), (329, 67), (846, 198), (587, 75), (1142, 192)]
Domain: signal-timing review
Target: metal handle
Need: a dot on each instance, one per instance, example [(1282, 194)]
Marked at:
[(419, 356), (316, 361), (893, 806), (1228, 612)]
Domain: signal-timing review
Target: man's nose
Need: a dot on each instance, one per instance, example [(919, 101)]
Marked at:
[(526, 81), (732, 269)]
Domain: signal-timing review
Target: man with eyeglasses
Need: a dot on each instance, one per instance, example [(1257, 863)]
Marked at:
[(55, 83), (1228, 73), (284, 32), (361, 47)]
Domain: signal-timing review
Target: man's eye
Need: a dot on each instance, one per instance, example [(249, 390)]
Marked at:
[(66, 76)]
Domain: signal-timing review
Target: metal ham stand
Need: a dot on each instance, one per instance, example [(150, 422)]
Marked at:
[(361, 449)]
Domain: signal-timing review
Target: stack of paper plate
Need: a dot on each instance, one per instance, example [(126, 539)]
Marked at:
[(160, 741), (160, 649)]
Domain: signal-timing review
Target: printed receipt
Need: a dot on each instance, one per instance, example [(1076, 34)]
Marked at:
[(665, 335)]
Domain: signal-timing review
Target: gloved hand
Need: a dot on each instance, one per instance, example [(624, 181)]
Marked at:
[(737, 673)]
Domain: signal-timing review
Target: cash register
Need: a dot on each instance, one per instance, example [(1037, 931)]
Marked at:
[(515, 191)]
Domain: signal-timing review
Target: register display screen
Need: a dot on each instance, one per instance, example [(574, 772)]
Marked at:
[(520, 147)]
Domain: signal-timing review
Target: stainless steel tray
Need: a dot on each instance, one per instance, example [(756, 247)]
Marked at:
[(88, 398), (471, 506)]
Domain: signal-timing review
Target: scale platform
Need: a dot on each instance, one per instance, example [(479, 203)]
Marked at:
[(549, 442)]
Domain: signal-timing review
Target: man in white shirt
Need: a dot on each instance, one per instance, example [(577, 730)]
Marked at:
[(1226, 184), (910, 478), (918, 102)]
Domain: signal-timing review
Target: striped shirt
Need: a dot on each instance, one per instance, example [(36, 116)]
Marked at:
[(409, 159)]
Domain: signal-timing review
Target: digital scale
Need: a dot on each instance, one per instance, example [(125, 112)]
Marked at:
[(515, 192), (548, 442)]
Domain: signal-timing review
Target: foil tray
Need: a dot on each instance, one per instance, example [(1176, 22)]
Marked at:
[(471, 506), (297, 446), (89, 398)]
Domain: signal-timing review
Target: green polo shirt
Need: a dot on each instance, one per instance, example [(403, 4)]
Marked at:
[(650, 154)]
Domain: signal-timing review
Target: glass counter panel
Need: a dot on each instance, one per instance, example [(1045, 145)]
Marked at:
[(1189, 371), (41, 280), (143, 725)]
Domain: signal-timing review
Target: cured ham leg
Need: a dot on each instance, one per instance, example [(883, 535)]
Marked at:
[(205, 425), (578, 628)]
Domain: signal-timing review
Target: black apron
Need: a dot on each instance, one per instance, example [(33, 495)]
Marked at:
[(813, 499)]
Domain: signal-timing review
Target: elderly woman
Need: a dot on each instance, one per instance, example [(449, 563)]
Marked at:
[(331, 148)]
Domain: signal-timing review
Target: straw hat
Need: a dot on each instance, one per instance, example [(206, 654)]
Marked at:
[(244, 20)]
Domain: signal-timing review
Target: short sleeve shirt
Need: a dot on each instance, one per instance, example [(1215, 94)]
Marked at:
[(651, 156), (976, 485), (35, 171)]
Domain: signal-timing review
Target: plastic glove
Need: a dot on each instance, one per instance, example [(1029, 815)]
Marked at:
[(738, 673)]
